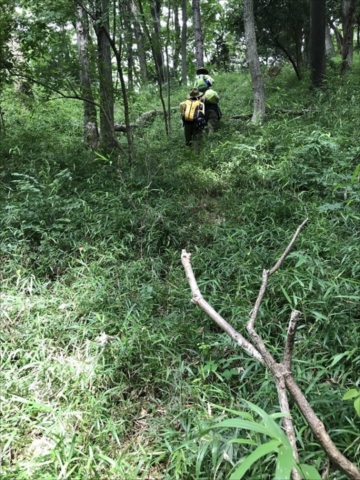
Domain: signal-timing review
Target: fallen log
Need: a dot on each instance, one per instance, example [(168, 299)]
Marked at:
[(247, 116), (142, 120)]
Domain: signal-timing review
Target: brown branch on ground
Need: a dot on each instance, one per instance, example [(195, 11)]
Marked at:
[(269, 110), (142, 120), (280, 371), (290, 339)]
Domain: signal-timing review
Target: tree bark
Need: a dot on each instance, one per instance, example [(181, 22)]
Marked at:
[(157, 67), (140, 41), (91, 132), (156, 38), (254, 63), (199, 42), (177, 42), (101, 27), (184, 43), (338, 36), (126, 14), (347, 11), (317, 42), (329, 47)]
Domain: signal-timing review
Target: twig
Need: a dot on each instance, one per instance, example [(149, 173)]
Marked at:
[(198, 299), (290, 338), (280, 371), (288, 248)]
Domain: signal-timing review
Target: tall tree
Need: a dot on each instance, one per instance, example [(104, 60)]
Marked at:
[(184, 42), (254, 63), (329, 46), (347, 12), (101, 27), (199, 42), (157, 66), (140, 42), (91, 133), (317, 42), (125, 13), (156, 37), (177, 43)]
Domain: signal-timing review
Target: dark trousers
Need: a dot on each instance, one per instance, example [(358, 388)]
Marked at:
[(192, 135)]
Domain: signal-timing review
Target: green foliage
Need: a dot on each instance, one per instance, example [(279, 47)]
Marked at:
[(279, 444), (353, 393), (108, 370)]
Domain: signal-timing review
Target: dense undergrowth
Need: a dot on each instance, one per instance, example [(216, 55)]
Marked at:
[(107, 370)]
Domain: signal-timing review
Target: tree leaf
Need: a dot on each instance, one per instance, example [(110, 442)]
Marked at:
[(353, 393), (357, 406), (242, 440), (270, 423), (338, 357), (284, 464), (308, 472), (246, 425), (242, 414), (261, 451)]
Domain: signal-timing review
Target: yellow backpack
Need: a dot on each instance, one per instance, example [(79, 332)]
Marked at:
[(191, 110)]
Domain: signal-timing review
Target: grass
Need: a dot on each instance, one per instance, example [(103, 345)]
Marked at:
[(107, 370)]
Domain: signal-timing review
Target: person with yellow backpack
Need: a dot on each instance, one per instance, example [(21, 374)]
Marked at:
[(192, 112)]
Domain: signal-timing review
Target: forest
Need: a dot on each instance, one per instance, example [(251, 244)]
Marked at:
[(174, 310)]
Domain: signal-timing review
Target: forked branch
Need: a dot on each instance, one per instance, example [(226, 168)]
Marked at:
[(280, 371)]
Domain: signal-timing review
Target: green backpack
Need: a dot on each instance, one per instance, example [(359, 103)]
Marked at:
[(211, 96), (202, 82)]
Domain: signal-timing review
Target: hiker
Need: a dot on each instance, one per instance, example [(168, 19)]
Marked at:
[(193, 117), (203, 81), (212, 109)]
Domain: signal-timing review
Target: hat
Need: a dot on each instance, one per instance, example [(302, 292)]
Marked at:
[(202, 70), (194, 93)]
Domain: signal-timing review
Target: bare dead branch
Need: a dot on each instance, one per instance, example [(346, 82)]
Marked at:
[(288, 248), (280, 371), (269, 110), (287, 421), (290, 338), (198, 299), (318, 429), (243, 116), (141, 121), (326, 471), (255, 310)]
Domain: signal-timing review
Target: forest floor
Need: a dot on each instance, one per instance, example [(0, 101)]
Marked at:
[(107, 370)]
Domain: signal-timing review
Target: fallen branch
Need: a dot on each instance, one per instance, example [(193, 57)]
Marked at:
[(269, 110), (142, 120), (281, 371)]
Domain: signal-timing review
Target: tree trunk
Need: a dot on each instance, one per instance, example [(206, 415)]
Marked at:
[(158, 72), (177, 46), (254, 63), (140, 43), (199, 44), (184, 43), (317, 42), (347, 11), (126, 14), (156, 38), (339, 38), (329, 47), (101, 26), (91, 132)]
